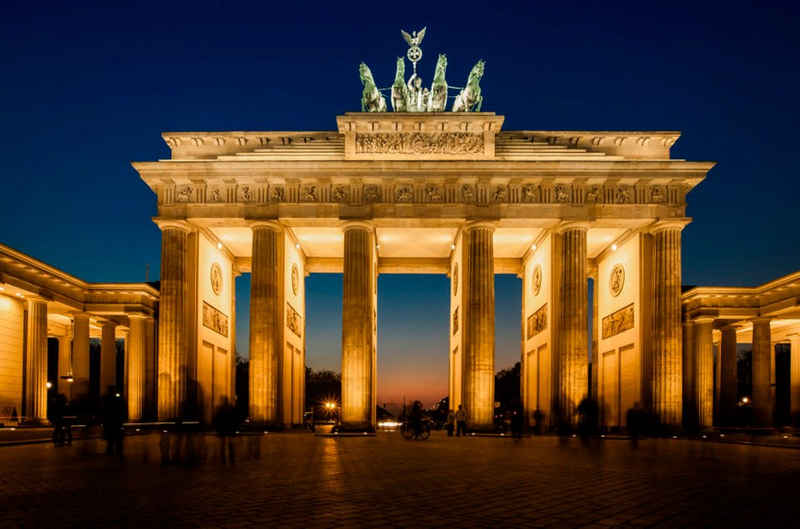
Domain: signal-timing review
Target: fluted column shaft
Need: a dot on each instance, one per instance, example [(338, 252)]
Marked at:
[(151, 369), (36, 362), (64, 365), (80, 355), (762, 403), (704, 372), (667, 384), (728, 376), (135, 367), (478, 302), (172, 333), (265, 323), (108, 357), (572, 383), (595, 337), (690, 412), (357, 311)]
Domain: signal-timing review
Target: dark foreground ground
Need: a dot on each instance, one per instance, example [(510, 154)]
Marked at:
[(298, 480)]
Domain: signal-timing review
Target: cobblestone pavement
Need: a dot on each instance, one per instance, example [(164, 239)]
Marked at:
[(298, 480)]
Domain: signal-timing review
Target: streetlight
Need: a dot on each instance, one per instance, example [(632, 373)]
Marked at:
[(49, 384)]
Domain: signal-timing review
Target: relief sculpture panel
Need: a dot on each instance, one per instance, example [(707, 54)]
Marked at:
[(294, 321), (419, 143), (215, 320), (537, 322), (618, 322)]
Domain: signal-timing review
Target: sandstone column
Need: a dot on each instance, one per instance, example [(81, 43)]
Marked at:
[(595, 335), (65, 365), (728, 376), (80, 355), (151, 369), (690, 411), (794, 378), (571, 354), (36, 361), (172, 332), (135, 366), (266, 322), (762, 403), (478, 305), (108, 357), (704, 372), (667, 358), (358, 369)]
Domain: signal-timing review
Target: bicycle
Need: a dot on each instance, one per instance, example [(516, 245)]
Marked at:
[(420, 433)]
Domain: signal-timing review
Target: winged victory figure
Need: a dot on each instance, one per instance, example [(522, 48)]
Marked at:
[(416, 39)]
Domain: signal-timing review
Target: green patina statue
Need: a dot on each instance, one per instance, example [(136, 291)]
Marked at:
[(371, 98), (399, 88), (470, 99), (437, 100)]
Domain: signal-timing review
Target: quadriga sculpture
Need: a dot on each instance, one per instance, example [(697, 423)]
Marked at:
[(470, 99), (399, 88), (437, 100), (371, 98)]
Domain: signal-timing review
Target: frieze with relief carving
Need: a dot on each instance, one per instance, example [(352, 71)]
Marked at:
[(618, 322), (537, 322), (215, 320), (419, 143), (372, 193), (294, 321)]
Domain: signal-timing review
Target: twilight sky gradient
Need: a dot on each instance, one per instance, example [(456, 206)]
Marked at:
[(87, 89)]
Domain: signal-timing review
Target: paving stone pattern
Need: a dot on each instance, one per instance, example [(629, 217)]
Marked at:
[(298, 480)]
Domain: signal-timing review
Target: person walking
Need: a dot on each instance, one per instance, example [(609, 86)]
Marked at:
[(451, 423), (461, 421), (113, 419)]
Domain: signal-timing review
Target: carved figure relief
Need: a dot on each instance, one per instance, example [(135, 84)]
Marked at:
[(278, 194), (455, 280), (593, 194), (340, 194), (537, 322), (657, 194), (216, 279), (310, 193), (562, 193), (617, 280), (623, 194), (468, 192), (455, 321), (404, 194), (371, 193), (618, 322), (433, 193), (536, 280), (245, 194), (499, 194), (530, 193), (419, 143), (184, 194), (294, 321), (215, 320), (295, 279)]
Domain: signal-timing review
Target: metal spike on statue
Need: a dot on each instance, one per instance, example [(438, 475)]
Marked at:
[(411, 96)]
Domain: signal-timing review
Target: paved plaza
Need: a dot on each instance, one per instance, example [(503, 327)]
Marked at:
[(299, 480)]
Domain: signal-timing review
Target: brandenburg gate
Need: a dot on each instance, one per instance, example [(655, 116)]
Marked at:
[(426, 191)]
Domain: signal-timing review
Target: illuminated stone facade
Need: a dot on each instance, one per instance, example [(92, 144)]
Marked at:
[(436, 193)]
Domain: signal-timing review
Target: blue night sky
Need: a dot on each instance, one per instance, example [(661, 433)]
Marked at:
[(88, 89)]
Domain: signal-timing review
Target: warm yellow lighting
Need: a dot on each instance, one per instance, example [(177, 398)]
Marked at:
[(219, 246), (452, 246), (2, 289), (745, 400), (19, 295), (377, 246), (614, 247), (297, 245), (49, 384), (70, 380), (533, 247), (115, 394)]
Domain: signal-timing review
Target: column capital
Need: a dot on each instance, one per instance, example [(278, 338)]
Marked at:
[(667, 224), (273, 225), (138, 316), (173, 224), (480, 224), (357, 225), (35, 298), (702, 319), (570, 225), (761, 319)]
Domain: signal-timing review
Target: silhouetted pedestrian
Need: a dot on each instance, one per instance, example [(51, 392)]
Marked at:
[(451, 423), (635, 419), (113, 418), (56, 412), (461, 421), (226, 422), (516, 421)]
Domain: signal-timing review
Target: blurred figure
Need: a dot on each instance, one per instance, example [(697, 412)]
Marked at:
[(415, 417), (57, 410), (635, 419), (451, 423), (516, 420), (588, 417), (113, 419), (461, 421), (225, 423)]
